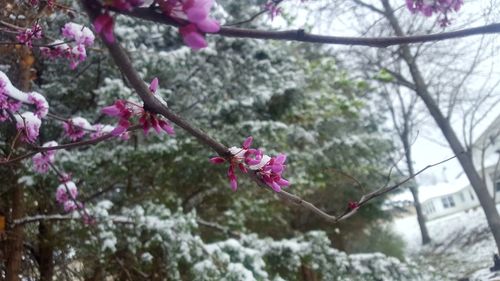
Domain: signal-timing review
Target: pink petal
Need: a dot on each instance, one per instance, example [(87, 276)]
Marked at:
[(275, 187), (155, 125), (192, 37), (118, 130), (154, 85), (283, 182), (167, 127), (217, 160), (277, 168), (247, 143), (234, 184), (280, 159), (197, 14), (108, 34), (111, 110), (101, 21), (242, 167), (208, 25)]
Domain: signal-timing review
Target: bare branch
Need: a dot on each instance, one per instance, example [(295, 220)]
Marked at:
[(302, 36)]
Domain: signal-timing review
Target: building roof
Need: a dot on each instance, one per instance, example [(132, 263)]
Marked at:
[(427, 192), (493, 128)]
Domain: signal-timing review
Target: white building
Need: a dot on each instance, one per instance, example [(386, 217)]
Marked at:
[(451, 197)]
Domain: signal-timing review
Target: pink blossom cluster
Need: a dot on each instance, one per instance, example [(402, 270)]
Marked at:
[(7, 104), (42, 160), (104, 23), (74, 128), (270, 169), (272, 9), (77, 128), (27, 36), (430, 7), (81, 37), (196, 12), (11, 101), (66, 194), (126, 110), (29, 124)]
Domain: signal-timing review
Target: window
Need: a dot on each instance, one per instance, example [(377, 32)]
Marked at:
[(471, 195), (448, 202), (497, 185), (462, 197), (431, 207)]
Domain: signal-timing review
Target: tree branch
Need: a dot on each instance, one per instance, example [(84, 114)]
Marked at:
[(302, 36), (152, 104)]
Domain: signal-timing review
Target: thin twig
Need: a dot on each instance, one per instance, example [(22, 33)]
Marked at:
[(38, 149)]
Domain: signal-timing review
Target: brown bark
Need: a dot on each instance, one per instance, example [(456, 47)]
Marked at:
[(15, 236), (308, 273), (464, 157), (45, 251)]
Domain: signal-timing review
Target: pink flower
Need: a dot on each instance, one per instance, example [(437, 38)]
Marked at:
[(7, 103), (197, 13), (122, 127), (100, 130), (80, 34), (25, 37), (192, 37), (62, 194), (217, 160), (76, 128), (352, 205), (430, 7), (41, 104), (272, 9), (42, 160), (104, 24), (232, 178), (29, 124), (146, 119), (271, 173), (119, 108), (166, 127), (247, 158), (150, 120), (154, 85), (70, 206)]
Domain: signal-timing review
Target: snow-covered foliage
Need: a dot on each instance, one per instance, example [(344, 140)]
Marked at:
[(152, 234)]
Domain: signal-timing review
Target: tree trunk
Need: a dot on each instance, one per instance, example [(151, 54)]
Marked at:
[(464, 157), (15, 236), (426, 239), (45, 251), (414, 188)]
